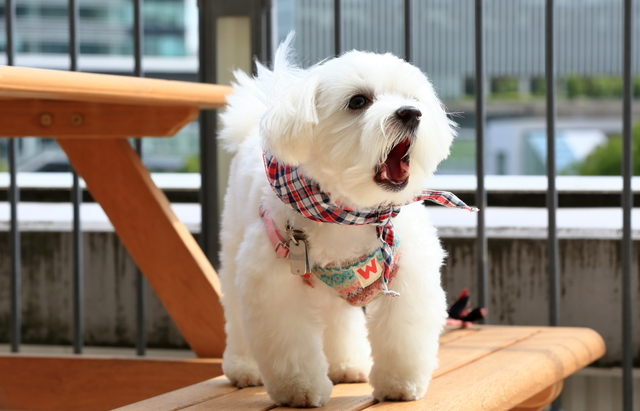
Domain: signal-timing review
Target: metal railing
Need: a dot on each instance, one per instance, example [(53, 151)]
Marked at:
[(261, 44)]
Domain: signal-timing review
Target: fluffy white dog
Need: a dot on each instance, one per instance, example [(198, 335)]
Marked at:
[(344, 144)]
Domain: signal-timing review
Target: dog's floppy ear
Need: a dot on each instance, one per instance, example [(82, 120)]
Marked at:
[(287, 128)]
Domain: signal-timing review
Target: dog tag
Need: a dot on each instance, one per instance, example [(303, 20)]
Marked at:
[(298, 256)]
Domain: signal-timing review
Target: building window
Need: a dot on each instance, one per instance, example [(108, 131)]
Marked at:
[(23, 11), (53, 11), (470, 86), (94, 13), (164, 45), (504, 86), (501, 163), (54, 47), (94, 48)]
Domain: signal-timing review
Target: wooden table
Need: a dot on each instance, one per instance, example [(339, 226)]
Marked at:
[(481, 368), (91, 116)]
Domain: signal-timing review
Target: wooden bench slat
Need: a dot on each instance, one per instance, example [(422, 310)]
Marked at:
[(29, 83), (510, 376), (452, 333), (246, 399), (346, 397), (186, 397), (541, 399), (472, 347)]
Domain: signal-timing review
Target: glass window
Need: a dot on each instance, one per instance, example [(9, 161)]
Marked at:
[(23, 11), (164, 45), (51, 47), (53, 11), (94, 48), (164, 14), (94, 13)]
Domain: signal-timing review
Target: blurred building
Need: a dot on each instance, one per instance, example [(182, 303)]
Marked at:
[(105, 27), (588, 46), (588, 37)]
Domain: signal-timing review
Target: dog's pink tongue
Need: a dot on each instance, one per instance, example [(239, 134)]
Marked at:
[(398, 170)]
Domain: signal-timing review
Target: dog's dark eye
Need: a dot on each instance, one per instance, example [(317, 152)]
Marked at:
[(358, 102)]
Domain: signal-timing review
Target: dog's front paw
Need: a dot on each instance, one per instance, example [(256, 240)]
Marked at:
[(301, 391), (241, 371), (391, 387)]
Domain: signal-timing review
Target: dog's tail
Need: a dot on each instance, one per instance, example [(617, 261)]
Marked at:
[(252, 97)]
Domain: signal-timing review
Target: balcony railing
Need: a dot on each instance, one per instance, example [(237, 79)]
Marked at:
[(261, 46)]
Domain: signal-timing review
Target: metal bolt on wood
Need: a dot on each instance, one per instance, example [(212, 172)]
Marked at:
[(46, 119), (77, 119)]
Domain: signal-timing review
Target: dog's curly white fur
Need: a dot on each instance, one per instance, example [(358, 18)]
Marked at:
[(297, 340)]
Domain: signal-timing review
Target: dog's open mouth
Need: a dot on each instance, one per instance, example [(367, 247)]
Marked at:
[(393, 173)]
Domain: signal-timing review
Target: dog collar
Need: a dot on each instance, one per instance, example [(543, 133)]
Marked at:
[(305, 197), (358, 281)]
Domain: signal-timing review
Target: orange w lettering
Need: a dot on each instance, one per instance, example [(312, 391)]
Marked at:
[(368, 269)]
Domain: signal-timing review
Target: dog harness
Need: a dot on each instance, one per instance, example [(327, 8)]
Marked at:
[(305, 197)]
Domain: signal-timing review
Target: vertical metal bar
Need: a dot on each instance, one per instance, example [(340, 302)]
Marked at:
[(627, 205), (553, 266), (552, 193), (10, 18), (76, 198), (78, 272), (14, 247), (481, 192), (141, 283), (138, 37), (208, 147), (337, 27), (407, 31), (268, 31), (14, 199)]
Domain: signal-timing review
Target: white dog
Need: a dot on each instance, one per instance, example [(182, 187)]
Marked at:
[(326, 156)]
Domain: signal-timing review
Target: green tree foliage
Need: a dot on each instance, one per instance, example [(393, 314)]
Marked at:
[(598, 87), (606, 159), (192, 165)]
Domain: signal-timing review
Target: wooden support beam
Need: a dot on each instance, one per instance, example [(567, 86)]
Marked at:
[(158, 242), (53, 118), (91, 383)]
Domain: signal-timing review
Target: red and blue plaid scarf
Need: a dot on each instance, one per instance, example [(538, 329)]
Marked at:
[(306, 198)]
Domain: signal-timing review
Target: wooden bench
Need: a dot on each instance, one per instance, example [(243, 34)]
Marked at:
[(481, 368), (91, 116)]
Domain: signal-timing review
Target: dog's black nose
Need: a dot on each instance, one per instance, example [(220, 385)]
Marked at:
[(409, 115)]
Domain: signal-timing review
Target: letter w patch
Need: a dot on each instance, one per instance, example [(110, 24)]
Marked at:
[(368, 272)]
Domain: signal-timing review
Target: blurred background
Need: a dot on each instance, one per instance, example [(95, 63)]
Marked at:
[(588, 62)]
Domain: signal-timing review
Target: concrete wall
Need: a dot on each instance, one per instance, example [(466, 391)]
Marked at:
[(109, 299), (590, 274), (590, 281)]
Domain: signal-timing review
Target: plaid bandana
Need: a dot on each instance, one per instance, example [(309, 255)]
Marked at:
[(306, 198)]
